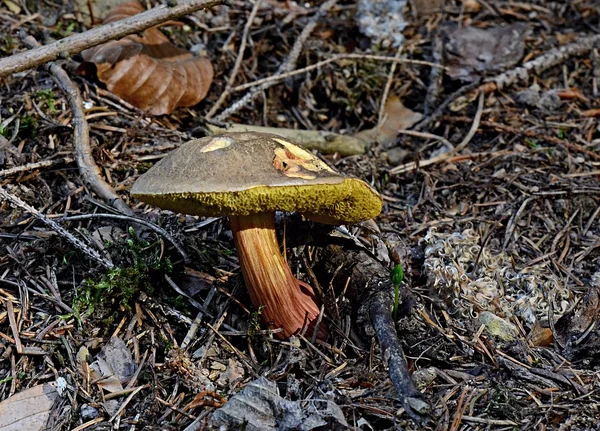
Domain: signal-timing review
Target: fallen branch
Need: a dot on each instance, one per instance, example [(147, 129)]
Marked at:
[(325, 142), (89, 171), (519, 74), (33, 166), (78, 42), (370, 285), (18, 203)]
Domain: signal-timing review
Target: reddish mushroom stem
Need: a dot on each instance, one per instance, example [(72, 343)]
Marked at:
[(288, 303)]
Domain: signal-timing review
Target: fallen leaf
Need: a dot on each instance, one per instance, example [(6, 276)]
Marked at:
[(118, 356), (424, 8), (113, 366), (572, 327), (148, 71), (396, 117), (259, 407), (104, 376), (12, 6), (540, 336), (28, 410), (470, 51)]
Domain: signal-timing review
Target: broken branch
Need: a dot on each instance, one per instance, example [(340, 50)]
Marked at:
[(89, 171), (78, 42)]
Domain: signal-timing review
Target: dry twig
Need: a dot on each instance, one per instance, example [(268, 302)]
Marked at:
[(89, 171), (519, 74), (238, 63), (15, 201), (285, 67), (33, 166), (442, 157)]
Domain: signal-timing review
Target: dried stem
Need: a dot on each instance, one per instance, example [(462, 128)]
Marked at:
[(15, 201), (287, 66), (89, 171)]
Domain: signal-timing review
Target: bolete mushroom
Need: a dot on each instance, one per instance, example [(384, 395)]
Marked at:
[(248, 176)]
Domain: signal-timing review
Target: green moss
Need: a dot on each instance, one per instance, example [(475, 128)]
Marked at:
[(140, 259), (47, 96), (350, 201)]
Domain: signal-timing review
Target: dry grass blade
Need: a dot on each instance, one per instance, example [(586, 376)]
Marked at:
[(148, 71)]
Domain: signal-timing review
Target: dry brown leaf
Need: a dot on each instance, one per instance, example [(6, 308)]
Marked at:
[(396, 117), (28, 410), (149, 71), (540, 336)]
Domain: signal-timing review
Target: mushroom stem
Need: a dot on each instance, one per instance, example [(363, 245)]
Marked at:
[(288, 303)]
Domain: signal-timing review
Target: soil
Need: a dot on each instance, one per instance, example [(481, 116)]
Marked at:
[(499, 241)]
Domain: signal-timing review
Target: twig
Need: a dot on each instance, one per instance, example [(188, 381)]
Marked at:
[(238, 63), (371, 286), (93, 254), (381, 317), (543, 62), (442, 157), (449, 100), (33, 166), (435, 75), (512, 222), (531, 134), (339, 57), (325, 142), (115, 30), (285, 67), (518, 74), (13, 325), (387, 87), (127, 400), (89, 171), (137, 220)]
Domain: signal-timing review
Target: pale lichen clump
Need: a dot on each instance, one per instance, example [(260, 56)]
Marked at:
[(492, 284)]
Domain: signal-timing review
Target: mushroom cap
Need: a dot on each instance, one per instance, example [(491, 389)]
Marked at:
[(247, 173)]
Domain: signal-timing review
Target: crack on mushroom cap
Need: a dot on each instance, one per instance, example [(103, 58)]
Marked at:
[(248, 176)]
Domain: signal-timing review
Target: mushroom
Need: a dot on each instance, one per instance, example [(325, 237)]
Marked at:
[(248, 176)]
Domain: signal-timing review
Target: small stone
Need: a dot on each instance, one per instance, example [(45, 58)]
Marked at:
[(471, 6), (88, 412), (397, 156), (424, 377), (498, 327)]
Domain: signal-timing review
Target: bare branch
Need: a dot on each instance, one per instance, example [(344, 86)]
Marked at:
[(16, 202), (88, 169), (115, 30)]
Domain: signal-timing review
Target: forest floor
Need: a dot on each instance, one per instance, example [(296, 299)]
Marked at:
[(491, 206)]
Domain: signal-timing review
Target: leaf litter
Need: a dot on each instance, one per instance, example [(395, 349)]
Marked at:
[(499, 239)]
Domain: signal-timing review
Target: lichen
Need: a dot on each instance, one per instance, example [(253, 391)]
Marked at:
[(492, 284)]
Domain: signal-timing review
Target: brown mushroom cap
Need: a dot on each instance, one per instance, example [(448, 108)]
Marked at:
[(246, 173)]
